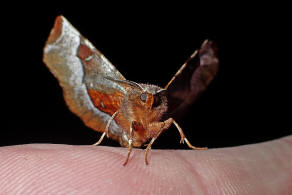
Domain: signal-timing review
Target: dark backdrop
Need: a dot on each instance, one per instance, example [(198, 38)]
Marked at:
[(248, 102)]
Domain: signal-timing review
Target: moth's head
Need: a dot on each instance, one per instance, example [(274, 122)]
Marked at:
[(147, 101), (142, 105), (142, 99)]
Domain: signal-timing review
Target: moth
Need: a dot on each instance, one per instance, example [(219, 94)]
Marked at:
[(129, 112)]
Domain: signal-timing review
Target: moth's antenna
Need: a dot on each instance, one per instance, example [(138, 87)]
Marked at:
[(160, 90), (181, 69), (132, 83)]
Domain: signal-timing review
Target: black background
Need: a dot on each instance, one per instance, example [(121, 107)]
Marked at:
[(248, 102)]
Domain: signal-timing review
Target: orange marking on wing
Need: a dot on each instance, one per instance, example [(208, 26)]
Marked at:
[(84, 52), (108, 103)]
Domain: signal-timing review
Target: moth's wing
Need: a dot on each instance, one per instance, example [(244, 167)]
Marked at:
[(81, 68), (192, 79)]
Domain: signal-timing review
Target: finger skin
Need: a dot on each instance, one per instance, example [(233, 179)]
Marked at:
[(264, 168)]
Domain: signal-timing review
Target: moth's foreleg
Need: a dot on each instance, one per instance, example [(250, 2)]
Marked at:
[(109, 122), (106, 129), (184, 139), (100, 139), (130, 145), (149, 147), (156, 128)]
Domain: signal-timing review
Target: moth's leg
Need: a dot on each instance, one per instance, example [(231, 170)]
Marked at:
[(130, 145), (149, 147), (157, 128), (109, 122), (100, 139), (106, 129), (184, 139)]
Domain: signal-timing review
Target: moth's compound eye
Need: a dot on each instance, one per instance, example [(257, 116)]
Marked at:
[(143, 97), (157, 101)]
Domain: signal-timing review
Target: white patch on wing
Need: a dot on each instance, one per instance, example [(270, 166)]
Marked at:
[(89, 58)]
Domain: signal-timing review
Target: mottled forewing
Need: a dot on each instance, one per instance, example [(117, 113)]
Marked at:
[(78, 66), (192, 79)]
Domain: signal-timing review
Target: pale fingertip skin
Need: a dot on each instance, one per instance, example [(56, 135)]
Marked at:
[(63, 169)]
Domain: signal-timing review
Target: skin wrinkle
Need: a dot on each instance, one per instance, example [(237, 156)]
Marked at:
[(215, 170), (217, 173), (287, 170), (288, 141), (169, 174), (48, 172), (15, 168), (64, 169), (100, 162), (141, 173), (273, 168), (199, 178), (244, 172), (242, 168)]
